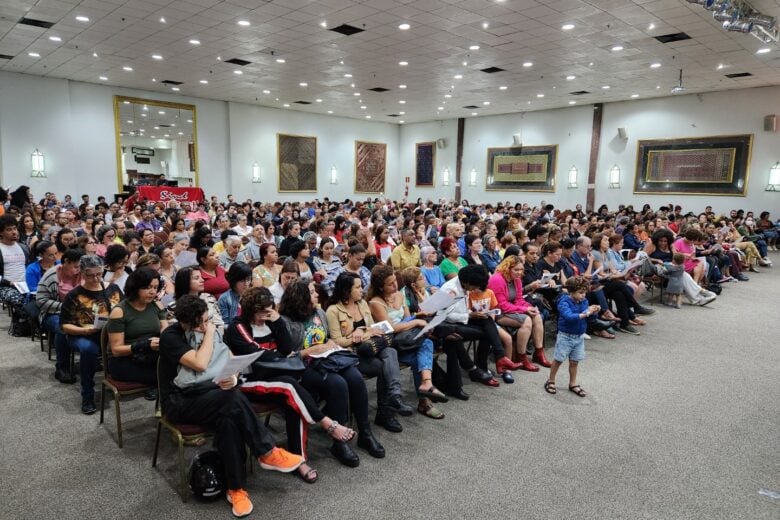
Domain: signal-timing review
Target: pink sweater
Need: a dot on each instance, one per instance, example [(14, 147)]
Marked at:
[(498, 285)]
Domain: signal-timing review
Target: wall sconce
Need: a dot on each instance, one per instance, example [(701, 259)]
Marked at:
[(38, 163), (445, 177), (256, 177), (490, 179), (333, 174), (573, 177), (614, 177), (473, 177), (774, 177)]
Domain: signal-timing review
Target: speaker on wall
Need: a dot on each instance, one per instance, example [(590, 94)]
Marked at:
[(517, 140), (622, 133), (770, 123), (441, 143)]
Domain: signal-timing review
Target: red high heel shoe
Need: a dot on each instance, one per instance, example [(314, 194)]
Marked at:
[(525, 364), (540, 359), (506, 364)]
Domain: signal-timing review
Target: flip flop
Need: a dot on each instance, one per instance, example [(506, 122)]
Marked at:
[(549, 387), (434, 394), (577, 389), (310, 477)]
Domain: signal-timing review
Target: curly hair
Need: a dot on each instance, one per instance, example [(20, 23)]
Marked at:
[(115, 253), (577, 283), (296, 301), (379, 274), (254, 300), (507, 264), (58, 239), (446, 245), (189, 310)]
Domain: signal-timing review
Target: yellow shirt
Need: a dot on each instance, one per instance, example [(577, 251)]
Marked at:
[(219, 247), (401, 258)]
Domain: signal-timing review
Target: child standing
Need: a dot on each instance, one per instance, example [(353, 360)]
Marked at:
[(674, 273), (573, 312)]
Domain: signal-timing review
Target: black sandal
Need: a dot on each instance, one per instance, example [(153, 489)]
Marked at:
[(549, 387), (310, 477), (577, 389), (434, 394)]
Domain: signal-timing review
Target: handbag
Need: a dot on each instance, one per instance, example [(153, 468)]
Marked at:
[(336, 362), (281, 365), (406, 340), (374, 345)]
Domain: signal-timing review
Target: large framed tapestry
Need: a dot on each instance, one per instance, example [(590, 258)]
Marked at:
[(370, 165), (716, 165), (424, 163), (297, 162), (527, 168)]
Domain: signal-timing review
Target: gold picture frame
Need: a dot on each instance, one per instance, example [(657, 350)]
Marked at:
[(296, 163), (370, 167)]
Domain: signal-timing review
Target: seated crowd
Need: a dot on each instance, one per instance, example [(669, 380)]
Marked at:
[(332, 295)]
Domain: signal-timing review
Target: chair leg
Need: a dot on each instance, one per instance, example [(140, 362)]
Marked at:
[(182, 471), (102, 400), (118, 418), (50, 340), (156, 444)]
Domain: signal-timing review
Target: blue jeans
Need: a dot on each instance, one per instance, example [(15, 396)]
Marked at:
[(419, 359), (89, 349), (762, 247), (52, 325)]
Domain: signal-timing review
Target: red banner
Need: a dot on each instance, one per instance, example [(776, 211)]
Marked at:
[(165, 193)]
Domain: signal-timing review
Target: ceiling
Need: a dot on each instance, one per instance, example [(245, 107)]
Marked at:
[(523, 37), (142, 120)]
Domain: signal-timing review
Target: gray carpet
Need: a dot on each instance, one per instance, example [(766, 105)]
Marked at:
[(681, 422)]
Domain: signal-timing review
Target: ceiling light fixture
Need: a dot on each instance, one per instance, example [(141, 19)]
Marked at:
[(763, 50), (528, 64), (368, 117), (486, 102), (606, 87), (474, 47), (570, 77), (55, 38), (655, 65), (347, 75), (239, 72), (617, 48), (403, 63), (402, 102), (82, 18), (679, 89), (402, 113), (103, 78), (128, 69), (244, 23), (404, 26), (33, 55), (157, 57), (651, 27), (402, 121), (303, 84), (634, 96), (540, 95), (195, 42), (324, 24), (286, 105), (162, 19), (502, 87), (175, 89), (204, 81), (363, 107), (266, 91), (330, 111), (94, 54), (458, 76), (401, 86), (439, 108), (485, 25), (356, 93), (318, 100), (281, 60), (473, 113), (568, 27), (570, 102)]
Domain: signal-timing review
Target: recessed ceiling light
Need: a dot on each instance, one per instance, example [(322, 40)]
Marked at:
[(281, 60), (617, 48), (189, 120), (651, 27), (474, 47), (195, 42), (404, 26), (634, 95), (303, 84), (162, 19), (402, 113), (55, 38), (129, 121), (266, 91), (181, 133), (402, 121), (143, 115), (82, 18), (219, 58), (239, 72), (486, 102), (154, 80), (568, 27), (286, 105), (465, 64), (528, 64), (244, 23), (324, 24), (763, 50), (175, 89), (330, 111), (154, 137), (485, 25), (94, 54), (103, 78), (473, 113), (126, 102), (447, 96), (161, 112), (540, 95), (655, 65), (351, 85), (347, 75), (356, 93), (439, 108), (128, 69), (402, 102), (720, 66), (571, 77), (458, 76), (502, 87), (33, 55), (204, 81), (657, 87), (401, 86), (570, 102), (318, 100), (368, 117), (606, 87), (363, 107), (156, 57), (403, 63)]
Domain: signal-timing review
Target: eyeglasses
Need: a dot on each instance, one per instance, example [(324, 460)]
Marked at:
[(91, 275)]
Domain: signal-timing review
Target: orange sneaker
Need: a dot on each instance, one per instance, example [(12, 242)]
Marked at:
[(280, 460), (242, 506)]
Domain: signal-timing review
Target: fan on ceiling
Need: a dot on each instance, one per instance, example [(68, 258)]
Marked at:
[(679, 89)]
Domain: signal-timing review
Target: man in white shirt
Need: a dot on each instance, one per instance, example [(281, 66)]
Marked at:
[(13, 262)]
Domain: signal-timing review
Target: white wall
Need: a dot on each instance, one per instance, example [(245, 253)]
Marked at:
[(253, 139)]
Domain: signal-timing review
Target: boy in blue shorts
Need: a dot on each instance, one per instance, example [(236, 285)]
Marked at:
[(573, 312)]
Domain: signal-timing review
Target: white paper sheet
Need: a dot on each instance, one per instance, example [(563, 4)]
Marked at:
[(235, 365), (326, 353), (435, 322), (185, 259), (385, 254), (22, 287), (384, 326), (100, 321), (438, 300)]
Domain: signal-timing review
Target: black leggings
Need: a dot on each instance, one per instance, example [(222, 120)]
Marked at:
[(341, 391), (229, 413), (621, 294), (123, 369), (300, 408), (457, 358)]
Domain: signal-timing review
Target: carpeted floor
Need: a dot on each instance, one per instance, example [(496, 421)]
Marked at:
[(681, 422)]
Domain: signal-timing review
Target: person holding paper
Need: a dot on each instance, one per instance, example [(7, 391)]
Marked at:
[(350, 324), (261, 329), (383, 243), (343, 389), (134, 327), (88, 300), (192, 354)]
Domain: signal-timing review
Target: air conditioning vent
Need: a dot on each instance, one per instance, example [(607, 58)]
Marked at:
[(379, 89), (671, 38), (237, 61), (36, 23), (492, 70), (347, 30), (734, 75)]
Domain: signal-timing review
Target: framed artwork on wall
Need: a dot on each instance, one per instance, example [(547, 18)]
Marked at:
[(370, 166), (297, 163), (424, 163), (717, 165), (526, 168)]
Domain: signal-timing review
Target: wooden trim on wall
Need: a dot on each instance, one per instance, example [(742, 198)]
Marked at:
[(595, 143)]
